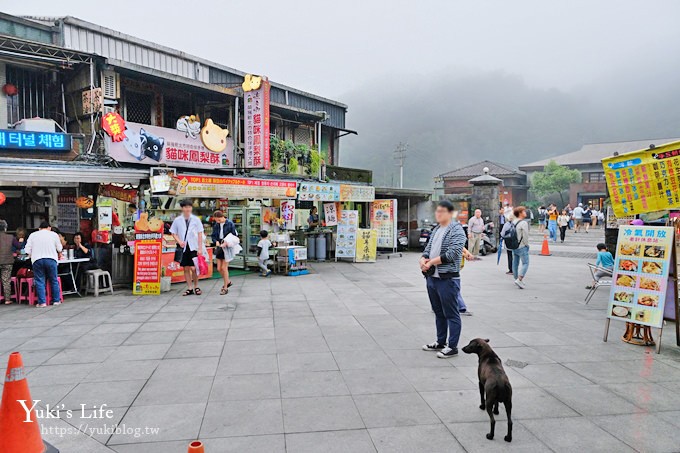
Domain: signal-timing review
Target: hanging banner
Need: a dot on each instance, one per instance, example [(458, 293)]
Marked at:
[(163, 180), (67, 211), (367, 246), (383, 215), (153, 145), (256, 122), (104, 213), (218, 187), (148, 252), (319, 192), (330, 211), (349, 192), (111, 191), (641, 269), (288, 214), (644, 181), (345, 245)]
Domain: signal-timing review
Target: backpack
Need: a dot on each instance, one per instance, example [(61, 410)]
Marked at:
[(509, 236)]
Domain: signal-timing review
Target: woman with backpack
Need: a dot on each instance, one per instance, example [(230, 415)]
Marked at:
[(516, 238), (542, 213)]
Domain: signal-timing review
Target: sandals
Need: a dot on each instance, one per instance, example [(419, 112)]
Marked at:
[(229, 285), (188, 292), (224, 291), (198, 291)]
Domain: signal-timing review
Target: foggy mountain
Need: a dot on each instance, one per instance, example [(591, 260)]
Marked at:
[(451, 120)]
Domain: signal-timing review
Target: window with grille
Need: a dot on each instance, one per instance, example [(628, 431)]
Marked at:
[(596, 177), (173, 108), (303, 136), (32, 99), (138, 107)]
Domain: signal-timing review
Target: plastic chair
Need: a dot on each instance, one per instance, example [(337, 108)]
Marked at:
[(94, 277), (602, 281), (29, 295)]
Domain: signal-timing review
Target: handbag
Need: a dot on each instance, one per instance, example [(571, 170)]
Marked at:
[(179, 251)]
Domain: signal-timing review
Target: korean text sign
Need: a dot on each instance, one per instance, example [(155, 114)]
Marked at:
[(148, 251), (644, 181), (220, 187), (367, 246), (34, 141), (256, 126), (640, 275), (384, 221)]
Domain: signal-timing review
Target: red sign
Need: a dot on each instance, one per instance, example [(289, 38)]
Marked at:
[(256, 121), (114, 125), (235, 188), (111, 191), (148, 251)]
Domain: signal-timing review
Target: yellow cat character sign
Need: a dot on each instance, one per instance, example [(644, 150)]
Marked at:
[(644, 181), (367, 246)]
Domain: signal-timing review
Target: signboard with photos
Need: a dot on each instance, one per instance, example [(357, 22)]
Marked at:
[(383, 215), (345, 245), (312, 191)]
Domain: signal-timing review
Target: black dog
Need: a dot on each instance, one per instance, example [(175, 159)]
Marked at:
[(493, 382)]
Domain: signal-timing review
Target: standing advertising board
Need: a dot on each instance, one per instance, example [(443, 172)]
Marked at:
[(644, 181), (345, 245), (383, 215), (256, 122), (367, 245), (148, 252)]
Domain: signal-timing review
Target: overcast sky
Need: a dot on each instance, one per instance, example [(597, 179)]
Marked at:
[(330, 47)]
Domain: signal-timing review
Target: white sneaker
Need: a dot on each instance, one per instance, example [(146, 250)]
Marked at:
[(519, 283)]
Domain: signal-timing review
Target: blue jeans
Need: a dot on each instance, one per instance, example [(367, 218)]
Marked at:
[(520, 254), (552, 228), (45, 271), (443, 293), (461, 303)]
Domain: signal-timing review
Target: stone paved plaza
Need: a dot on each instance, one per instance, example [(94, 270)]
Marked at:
[(331, 362)]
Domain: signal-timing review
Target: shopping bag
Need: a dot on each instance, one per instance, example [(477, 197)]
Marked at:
[(201, 265)]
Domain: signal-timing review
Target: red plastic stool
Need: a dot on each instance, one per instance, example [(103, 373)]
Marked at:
[(30, 294), (49, 292), (15, 289)]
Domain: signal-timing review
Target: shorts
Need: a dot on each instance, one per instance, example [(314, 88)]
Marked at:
[(586, 220), (219, 253), (188, 258), (578, 222)]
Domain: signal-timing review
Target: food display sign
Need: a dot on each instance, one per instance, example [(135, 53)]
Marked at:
[(148, 253), (345, 245), (153, 145), (644, 181), (319, 192), (256, 121), (383, 215), (349, 192), (235, 188), (640, 279), (34, 141), (367, 245)]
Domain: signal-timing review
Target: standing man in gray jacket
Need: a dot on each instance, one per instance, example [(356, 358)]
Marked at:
[(440, 264), (521, 253)]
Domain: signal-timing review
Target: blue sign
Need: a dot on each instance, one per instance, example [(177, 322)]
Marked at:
[(34, 141)]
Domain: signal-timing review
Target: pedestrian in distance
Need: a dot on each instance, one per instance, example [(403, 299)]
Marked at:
[(8, 244), (187, 229), (263, 253), (605, 260), (542, 214), (578, 217), (516, 238), (475, 230), (44, 247), (440, 263), (505, 224), (587, 218), (563, 224), (221, 228), (552, 222)]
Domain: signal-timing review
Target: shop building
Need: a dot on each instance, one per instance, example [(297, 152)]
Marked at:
[(592, 190)]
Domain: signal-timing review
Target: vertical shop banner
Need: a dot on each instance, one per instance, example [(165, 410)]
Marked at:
[(641, 270), (256, 125), (104, 213), (288, 214), (330, 212), (644, 181), (367, 246), (67, 211), (383, 215), (148, 253), (345, 245)]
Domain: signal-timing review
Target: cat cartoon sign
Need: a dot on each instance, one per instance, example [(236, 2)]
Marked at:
[(214, 137)]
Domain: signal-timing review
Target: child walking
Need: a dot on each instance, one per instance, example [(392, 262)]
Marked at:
[(263, 253)]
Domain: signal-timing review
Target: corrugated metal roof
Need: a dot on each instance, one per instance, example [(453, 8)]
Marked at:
[(477, 169), (593, 153)]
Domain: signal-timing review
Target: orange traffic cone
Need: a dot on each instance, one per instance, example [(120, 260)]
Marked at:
[(196, 447), (545, 250), (17, 435)]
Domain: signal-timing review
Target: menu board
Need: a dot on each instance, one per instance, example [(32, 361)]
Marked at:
[(148, 251), (367, 245), (349, 192), (319, 192), (67, 212), (345, 245), (383, 217), (640, 279), (644, 181)]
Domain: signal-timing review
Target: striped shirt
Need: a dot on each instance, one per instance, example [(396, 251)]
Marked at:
[(451, 250)]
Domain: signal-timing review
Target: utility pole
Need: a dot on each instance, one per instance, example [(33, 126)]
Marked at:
[(400, 157)]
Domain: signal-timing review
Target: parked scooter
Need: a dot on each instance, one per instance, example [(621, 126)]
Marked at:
[(425, 234), (488, 245), (402, 239)]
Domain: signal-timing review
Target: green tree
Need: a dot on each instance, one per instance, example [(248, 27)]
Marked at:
[(554, 178)]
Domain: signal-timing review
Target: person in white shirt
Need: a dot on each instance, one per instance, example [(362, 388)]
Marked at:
[(44, 247), (578, 217), (263, 249), (187, 229)]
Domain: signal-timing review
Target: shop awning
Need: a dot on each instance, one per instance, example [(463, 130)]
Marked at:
[(35, 172)]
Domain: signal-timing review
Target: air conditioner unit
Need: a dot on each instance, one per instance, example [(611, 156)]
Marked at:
[(111, 84), (109, 109)]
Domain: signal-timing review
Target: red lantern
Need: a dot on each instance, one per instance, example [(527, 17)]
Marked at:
[(10, 89), (3, 198), (114, 125)]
